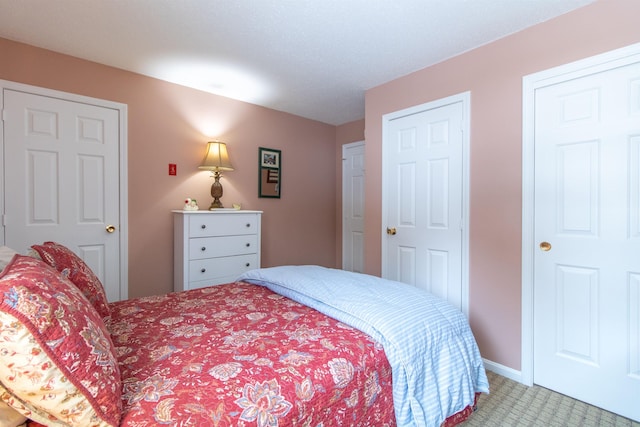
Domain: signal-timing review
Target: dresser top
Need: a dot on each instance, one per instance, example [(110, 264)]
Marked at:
[(215, 211)]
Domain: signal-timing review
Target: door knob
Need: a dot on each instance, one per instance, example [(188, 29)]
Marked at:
[(391, 231), (110, 228), (545, 246)]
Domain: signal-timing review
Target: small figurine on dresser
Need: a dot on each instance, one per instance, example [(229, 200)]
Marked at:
[(190, 204)]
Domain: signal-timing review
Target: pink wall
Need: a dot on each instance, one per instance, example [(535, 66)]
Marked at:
[(168, 123), (493, 74)]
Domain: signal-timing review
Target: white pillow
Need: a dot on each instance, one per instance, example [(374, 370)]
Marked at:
[(6, 254), (9, 417)]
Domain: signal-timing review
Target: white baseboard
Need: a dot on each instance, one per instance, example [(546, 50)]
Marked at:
[(505, 371)]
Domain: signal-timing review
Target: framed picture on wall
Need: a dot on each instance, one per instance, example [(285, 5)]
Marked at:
[(269, 172), (269, 158)]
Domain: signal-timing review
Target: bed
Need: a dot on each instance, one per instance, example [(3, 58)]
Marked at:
[(282, 346)]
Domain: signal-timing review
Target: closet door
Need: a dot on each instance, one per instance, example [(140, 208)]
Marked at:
[(62, 179), (353, 179), (587, 232), (425, 200)]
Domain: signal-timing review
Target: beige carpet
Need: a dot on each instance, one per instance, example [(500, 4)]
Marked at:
[(513, 404)]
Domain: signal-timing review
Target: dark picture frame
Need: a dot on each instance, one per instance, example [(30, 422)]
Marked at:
[(269, 172)]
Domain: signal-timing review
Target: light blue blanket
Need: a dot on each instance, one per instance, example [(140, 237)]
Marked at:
[(435, 361)]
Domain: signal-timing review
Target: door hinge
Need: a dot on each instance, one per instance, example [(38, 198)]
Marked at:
[(4, 114), (4, 220)]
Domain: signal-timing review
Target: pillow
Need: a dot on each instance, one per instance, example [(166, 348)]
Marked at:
[(5, 396), (57, 360), (6, 254), (74, 268), (9, 417)]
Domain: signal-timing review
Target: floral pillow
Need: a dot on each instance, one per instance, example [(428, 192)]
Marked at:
[(74, 268), (57, 360)]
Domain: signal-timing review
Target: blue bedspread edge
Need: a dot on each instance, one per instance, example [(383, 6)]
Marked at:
[(435, 361)]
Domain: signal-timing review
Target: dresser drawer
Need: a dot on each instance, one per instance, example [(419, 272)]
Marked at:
[(222, 225), (212, 282), (210, 247), (212, 268)]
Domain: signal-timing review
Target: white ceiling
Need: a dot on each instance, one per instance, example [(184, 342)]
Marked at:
[(312, 58)]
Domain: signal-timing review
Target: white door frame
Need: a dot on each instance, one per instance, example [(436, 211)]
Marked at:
[(123, 189), (465, 98), (530, 84), (345, 211)]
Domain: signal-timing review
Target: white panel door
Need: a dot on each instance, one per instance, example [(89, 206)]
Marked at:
[(353, 207), (587, 226), (424, 200), (61, 177)]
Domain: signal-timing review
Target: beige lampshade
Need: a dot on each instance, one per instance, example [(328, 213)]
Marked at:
[(216, 157)]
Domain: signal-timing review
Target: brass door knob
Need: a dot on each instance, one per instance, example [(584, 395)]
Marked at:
[(391, 231), (545, 246), (110, 228)]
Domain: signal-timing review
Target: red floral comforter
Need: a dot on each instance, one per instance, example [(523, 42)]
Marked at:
[(241, 355)]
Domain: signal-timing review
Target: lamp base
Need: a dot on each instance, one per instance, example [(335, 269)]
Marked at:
[(216, 205), (216, 192)]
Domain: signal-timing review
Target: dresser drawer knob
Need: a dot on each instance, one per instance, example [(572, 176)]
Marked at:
[(248, 244), (203, 226), (204, 248), (248, 225), (203, 270), (247, 264)]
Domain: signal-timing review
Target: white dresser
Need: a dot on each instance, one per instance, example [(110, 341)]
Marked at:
[(214, 247)]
